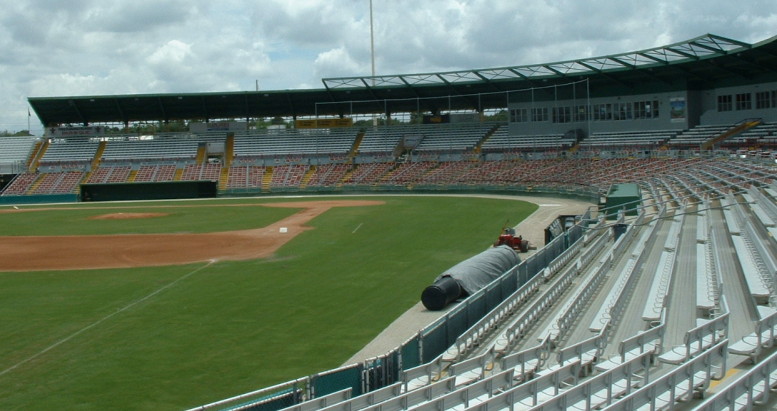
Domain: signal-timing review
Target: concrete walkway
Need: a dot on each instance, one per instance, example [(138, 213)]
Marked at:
[(418, 317)]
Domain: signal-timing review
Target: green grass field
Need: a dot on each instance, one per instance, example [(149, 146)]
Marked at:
[(180, 336)]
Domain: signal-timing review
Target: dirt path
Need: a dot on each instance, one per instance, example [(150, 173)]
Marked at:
[(31, 253)]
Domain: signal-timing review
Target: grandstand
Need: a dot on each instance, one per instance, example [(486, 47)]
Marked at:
[(595, 318)]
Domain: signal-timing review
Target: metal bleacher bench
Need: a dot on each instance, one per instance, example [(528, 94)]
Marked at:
[(752, 344), (698, 339)]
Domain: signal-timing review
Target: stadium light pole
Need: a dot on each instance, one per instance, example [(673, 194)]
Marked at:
[(372, 45), (372, 57)]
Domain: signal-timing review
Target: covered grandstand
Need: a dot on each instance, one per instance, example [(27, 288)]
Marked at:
[(592, 320)]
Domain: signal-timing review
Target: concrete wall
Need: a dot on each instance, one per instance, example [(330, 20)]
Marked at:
[(700, 107), (709, 105), (663, 122)]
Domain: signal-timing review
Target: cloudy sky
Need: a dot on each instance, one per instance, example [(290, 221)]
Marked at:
[(97, 47)]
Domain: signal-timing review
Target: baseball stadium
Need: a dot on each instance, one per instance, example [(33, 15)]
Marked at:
[(586, 234)]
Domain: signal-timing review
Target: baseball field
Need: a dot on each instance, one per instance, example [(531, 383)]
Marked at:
[(170, 305)]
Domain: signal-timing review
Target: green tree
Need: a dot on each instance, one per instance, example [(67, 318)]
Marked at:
[(6, 133)]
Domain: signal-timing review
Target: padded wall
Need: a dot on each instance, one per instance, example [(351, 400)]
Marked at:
[(148, 191)]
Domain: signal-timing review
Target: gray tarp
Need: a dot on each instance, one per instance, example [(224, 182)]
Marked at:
[(478, 271)]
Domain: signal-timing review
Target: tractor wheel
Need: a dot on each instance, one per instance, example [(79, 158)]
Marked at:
[(524, 246)]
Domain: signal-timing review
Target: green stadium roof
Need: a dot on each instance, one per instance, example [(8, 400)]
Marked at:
[(704, 61), (703, 47)]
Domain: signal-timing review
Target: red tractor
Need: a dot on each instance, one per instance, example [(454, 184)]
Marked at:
[(509, 238)]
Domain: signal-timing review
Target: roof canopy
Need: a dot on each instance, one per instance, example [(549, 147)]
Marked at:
[(707, 46), (705, 60)]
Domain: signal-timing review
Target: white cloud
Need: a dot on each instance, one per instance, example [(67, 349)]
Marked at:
[(81, 47), (174, 53), (339, 63)]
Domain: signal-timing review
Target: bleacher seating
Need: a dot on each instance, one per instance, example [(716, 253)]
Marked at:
[(15, 149), (155, 173), (764, 133), (163, 148), (368, 173), (110, 174), (501, 140), (69, 151), (61, 182), (634, 139), (328, 175), (201, 172), (288, 175), (698, 135), (21, 184), (295, 142), (408, 173)]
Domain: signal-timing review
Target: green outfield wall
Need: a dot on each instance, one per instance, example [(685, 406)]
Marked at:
[(149, 191)]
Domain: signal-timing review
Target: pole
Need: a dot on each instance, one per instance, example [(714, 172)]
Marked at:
[(372, 57), (372, 44)]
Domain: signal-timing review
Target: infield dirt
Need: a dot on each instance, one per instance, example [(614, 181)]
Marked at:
[(31, 253)]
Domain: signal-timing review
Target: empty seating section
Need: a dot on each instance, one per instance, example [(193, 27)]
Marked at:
[(706, 279), (294, 142), (155, 173), (408, 173), (447, 172), (452, 137), (501, 140), (15, 149), (614, 304), (764, 133), (201, 172), (368, 173), (764, 209), (21, 184), (763, 336), (752, 387), (380, 140), (659, 288), (697, 340), (60, 182), (63, 182), (754, 260), (698, 135), (425, 137), (686, 381), (637, 139), (288, 175), (244, 176), (328, 175), (110, 174), (69, 151), (162, 148), (325, 155)]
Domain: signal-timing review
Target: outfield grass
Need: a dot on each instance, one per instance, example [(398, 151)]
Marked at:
[(181, 336)]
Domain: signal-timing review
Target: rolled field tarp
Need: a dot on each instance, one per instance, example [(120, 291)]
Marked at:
[(469, 276)]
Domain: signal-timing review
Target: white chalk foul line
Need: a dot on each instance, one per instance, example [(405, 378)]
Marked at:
[(100, 321), (357, 227)]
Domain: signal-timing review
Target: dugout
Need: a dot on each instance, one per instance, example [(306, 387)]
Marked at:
[(168, 190), (625, 197)]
